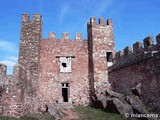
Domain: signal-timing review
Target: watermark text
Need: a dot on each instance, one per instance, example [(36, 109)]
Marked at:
[(141, 115)]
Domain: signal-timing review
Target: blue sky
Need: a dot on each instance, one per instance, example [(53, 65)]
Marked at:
[(133, 20)]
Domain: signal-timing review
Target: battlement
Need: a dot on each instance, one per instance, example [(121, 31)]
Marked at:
[(65, 36), (16, 70), (158, 39), (139, 52), (3, 69), (101, 22), (148, 42), (26, 17)]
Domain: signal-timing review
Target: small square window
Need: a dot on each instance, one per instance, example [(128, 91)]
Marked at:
[(64, 64)]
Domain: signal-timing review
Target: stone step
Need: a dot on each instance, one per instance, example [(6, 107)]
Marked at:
[(65, 105)]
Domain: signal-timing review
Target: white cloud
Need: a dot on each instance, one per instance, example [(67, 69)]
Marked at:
[(7, 46), (84, 7), (8, 63), (101, 8), (64, 10), (12, 58)]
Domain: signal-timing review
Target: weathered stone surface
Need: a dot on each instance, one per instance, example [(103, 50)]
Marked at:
[(138, 68), (111, 93), (137, 90), (102, 101), (118, 105), (122, 103), (55, 111), (136, 104), (3, 69)]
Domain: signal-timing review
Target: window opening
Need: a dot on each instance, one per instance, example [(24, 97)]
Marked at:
[(109, 56), (64, 64)]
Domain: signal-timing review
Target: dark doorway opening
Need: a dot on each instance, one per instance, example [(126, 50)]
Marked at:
[(65, 94)]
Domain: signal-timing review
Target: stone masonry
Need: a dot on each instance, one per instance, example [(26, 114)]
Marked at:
[(142, 65), (66, 73), (57, 71)]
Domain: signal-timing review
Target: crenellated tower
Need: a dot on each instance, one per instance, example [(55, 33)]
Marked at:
[(29, 53), (101, 52)]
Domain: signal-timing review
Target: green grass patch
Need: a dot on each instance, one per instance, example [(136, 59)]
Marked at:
[(156, 112), (89, 113)]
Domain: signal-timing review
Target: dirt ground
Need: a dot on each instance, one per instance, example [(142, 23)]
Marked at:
[(70, 114)]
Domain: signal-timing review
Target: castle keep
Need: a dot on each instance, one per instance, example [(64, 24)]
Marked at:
[(74, 72), (58, 71)]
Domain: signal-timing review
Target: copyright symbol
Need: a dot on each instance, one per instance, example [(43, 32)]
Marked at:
[(126, 115)]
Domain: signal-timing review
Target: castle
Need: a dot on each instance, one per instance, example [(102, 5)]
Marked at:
[(72, 72)]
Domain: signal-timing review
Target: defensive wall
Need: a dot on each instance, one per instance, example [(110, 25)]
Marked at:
[(140, 65), (11, 92)]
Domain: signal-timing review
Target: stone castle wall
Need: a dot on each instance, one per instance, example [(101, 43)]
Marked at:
[(11, 93), (51, 77), (100, 42), (83, 78), (53, 70), (29, 50), (138, 66), (60, 71)]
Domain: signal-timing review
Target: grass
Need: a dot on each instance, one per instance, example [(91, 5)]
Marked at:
[(156, 112), (46, 116), (85, 113), (88, 113)]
